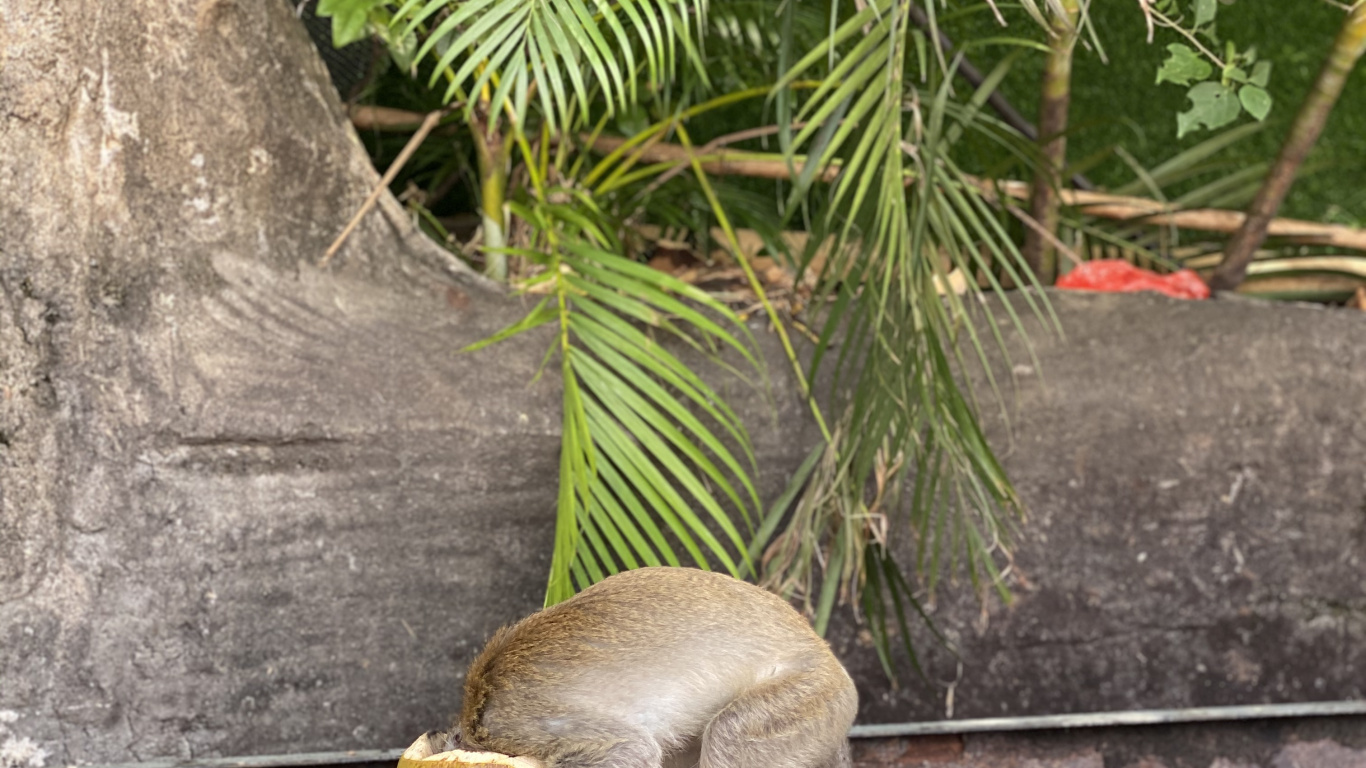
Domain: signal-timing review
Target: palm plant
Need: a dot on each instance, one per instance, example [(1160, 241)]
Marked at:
[(653, 461)]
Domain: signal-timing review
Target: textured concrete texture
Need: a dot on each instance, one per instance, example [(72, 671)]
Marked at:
[(291, 552), (248, 505), (1195, 476), (1296, 743)]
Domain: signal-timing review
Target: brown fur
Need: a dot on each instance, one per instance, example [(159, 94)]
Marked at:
[(662, 667)]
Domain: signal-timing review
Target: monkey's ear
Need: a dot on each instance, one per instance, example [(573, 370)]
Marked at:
[(427, 745), (441, 741), (429, 752)]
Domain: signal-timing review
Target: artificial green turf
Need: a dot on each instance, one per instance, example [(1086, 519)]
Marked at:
[(1119, 104)]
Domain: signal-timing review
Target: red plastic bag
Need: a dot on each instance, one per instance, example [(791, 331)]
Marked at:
[(1118, 276)]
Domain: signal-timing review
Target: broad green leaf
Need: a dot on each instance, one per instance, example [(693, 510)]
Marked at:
[(402, 48), (1205, 11), (1213, 105), (1261, 74), (349, 18), (1255, 100), (1183, 66)]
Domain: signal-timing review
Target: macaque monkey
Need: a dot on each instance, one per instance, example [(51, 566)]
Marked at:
[(662, 667)]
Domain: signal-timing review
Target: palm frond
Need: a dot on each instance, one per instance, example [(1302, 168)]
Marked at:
[(652, 458), (905, 216), (655, 467), (568, 51)]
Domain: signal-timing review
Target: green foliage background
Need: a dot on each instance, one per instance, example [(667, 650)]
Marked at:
[(903, 212), (1117, 103)]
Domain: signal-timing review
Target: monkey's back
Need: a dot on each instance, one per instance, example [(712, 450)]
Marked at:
[(659, 649)]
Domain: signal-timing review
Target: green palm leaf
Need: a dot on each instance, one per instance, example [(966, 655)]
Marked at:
[(904, 217), (651, 456), (570, 51)]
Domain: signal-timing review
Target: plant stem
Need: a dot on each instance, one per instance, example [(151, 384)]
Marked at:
[(494, 153), (778, 326), (1309, 122), (1056, 95)]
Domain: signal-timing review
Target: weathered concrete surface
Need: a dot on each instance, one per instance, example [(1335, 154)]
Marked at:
[(247, 505), (238, 494), (298, 545), (297, 538), (252, 506), (1195, 474), (1295, 743)]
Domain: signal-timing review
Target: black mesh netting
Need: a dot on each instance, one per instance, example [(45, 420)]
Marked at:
[(350, 66)]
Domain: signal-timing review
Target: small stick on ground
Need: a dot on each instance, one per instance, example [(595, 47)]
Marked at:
[(416, 141)]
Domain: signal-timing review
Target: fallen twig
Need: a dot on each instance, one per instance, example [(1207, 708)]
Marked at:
[(729, 162), (1090, 202), (408, 149), (1146, 211), (371, 118)]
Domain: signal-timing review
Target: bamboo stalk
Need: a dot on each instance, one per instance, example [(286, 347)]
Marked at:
[(1039, 250), (493, 151), (1309, 122)]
